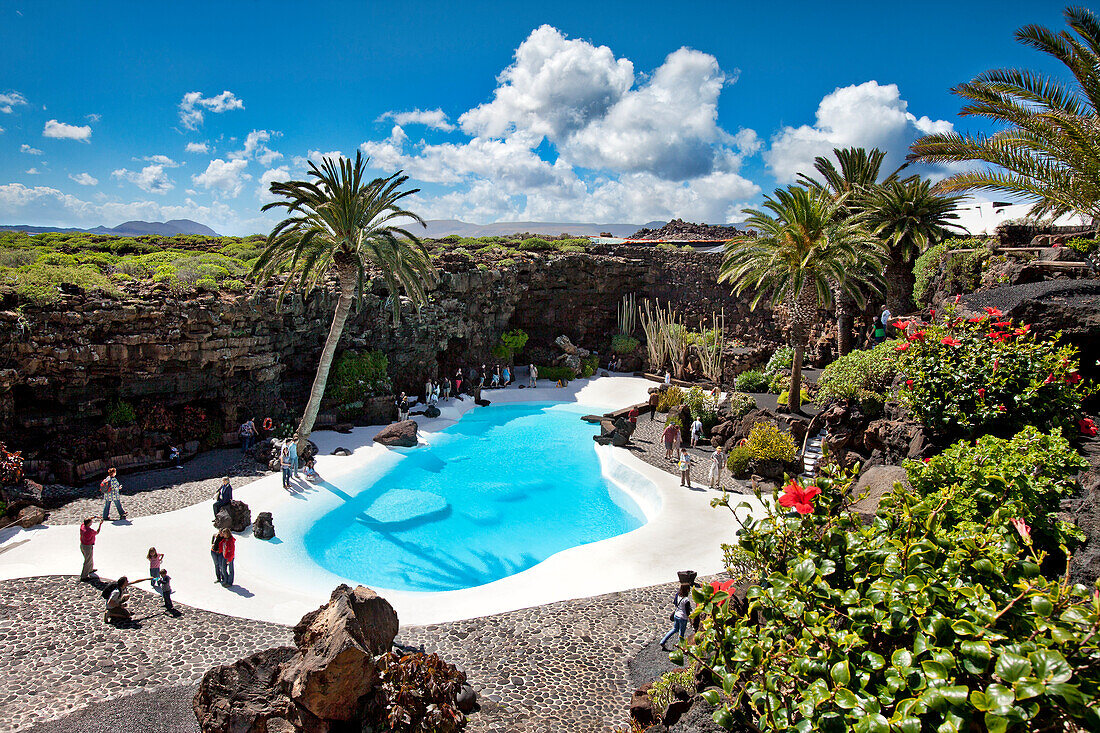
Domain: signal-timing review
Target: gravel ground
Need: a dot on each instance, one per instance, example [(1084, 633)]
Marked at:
[(162, 490), (1009, 297)]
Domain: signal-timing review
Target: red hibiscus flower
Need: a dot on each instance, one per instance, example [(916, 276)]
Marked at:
[(981, 392), (1001, 408), (901, 347), (729, 586), (976, 319), (932, 313), (1022, 529), (1003, 324), (799, 497), (1023, 329), (995, 312), (1073, 378), (1087, 427), (1050, 379), (949, 341), (903, 325), (916, 336), (958, 298), (909, 384)]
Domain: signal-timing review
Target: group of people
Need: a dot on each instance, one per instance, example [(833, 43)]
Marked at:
[(250, 434), (678, 453), (465, 381)]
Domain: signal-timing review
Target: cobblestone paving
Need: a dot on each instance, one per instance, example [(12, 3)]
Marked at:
[(559, 667), (163, 490), (59, 655), (649, 446)]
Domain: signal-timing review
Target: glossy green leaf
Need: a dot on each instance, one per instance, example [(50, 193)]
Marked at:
[(1012, 667), (841, 674)]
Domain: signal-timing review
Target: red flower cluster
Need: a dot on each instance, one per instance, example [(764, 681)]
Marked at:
[(917, 336), (981, 392), (1087, 427), (950, 341), (901, 347), (799, 497), (993, 312)]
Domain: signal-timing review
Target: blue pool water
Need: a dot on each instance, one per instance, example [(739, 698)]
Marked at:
[(501, 490)]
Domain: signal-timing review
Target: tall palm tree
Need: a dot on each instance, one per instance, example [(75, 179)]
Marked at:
[(341, 224), (802, 248), (910, 217), (1049, 151), (854, 181)]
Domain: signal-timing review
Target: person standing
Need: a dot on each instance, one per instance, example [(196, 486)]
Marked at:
[(717, 465), (654, 400), (445, 388), (286, 464), (402, 403), (110, 488), (87, 546), (533, 375), (294, 455), (668, 378), (155, 558), (224, 497), (696, 432), (247, 432), (217, 557), (458, 382), (507, 377), (229, 551), (174, 456), (681, 601), (162, 583), (685, 468), (671, 436)]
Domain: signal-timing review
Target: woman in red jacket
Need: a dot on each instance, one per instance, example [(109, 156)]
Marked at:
[(228, 547)]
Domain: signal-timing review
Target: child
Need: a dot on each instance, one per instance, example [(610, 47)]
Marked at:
[(309, 471), (154, 562), (163, 584)]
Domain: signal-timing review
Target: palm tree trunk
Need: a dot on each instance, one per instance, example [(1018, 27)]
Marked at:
[(794, 397), (845, 308), (803, 312), (899, 283), (320, 380)]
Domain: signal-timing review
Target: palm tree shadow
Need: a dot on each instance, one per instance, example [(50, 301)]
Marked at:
[(449, 572)]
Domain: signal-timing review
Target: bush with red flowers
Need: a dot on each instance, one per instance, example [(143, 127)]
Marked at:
[(11, 466), (988, 375)]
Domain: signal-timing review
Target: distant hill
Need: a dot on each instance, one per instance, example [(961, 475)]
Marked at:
[(127, 229), (442, 227)]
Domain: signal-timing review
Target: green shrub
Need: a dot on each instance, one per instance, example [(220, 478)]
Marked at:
[(911, 623), (671, 397), (740, 563), (779, 382), (781, 361), (359, 374), (766, 442), (986, 375), (661, 692), (1083, 245), (1028, 475), (925, 269), (41, 283), (785, 394), (751, 381), (234, 285), (120, 414), (740, 404), (738, 461), (871, 370), (589, 365), (416, 692), (557, 374), (622, 344), (962, 271), (703, 407)]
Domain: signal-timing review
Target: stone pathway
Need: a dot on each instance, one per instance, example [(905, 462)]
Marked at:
[(163, 490), (649, 446), (550, 668)]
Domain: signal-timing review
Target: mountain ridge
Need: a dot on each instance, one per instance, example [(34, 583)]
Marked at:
[(131, 228)]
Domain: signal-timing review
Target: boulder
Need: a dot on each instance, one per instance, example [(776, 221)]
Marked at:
[(399, 434), (432, 412), (681, 701), (466, 699), (237, 516), (896, 439), (25, 490), (641, 707), (243, 697), (337, 645), (263, 528), (876, 482), (30, 516), (699, 718), (341, 452)]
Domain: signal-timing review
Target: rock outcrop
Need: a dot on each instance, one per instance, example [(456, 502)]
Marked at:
[(398, 435), (237, 516), (264, 527)]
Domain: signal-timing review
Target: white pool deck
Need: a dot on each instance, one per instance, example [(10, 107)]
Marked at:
[(277, 581)]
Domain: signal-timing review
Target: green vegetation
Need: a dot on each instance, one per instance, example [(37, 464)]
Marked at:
[(356, 375), (509, 246), (589, 365), (987, 375), (1083, 245), (621, 344), (703, 407), (556, 374), (738, 461), (766, 442), (671, 397), (661, 692), (780, 362), (416, 692), (861, 375), (962, 271), (785, 397), (917, 622), (740, 404), (751, 381), (120, 414), (511, 343)]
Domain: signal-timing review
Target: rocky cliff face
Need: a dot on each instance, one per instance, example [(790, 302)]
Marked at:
[(61, 367)]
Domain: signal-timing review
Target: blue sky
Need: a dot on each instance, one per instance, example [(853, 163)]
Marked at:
[(565, 111)]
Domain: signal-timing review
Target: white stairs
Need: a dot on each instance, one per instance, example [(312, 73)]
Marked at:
[(811, 455)]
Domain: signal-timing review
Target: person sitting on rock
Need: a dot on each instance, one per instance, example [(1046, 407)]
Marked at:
[(174, 455), (224, 496)]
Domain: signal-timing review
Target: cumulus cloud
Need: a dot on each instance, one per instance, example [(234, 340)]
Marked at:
[(255, 146), (93, 117), (84, 179), (63, 131), (197, 148), (162, 160), (33, 172), (433, 118), (193, 105), (228, 177), (151, 178), (282, 173), (10, 100), (867, 115), (24, 148)]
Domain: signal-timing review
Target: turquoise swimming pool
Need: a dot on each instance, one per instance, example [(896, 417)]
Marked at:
[(500, 490)]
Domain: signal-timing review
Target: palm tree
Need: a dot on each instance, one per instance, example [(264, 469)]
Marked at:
[(802, 248), (1049, 151), (339, 224), (910, 217), (855, 180)]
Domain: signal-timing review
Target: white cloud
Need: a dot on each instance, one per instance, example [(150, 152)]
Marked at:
[(869, 115), (197, 148), (63, 131), (255, 146), (93, 117), (10, 100), (315, 156), (282, 173), (151, 178), (33, 172), (24, 148), (161, 160), (225, 176), (433, 118), (193, 105), (84, 179)]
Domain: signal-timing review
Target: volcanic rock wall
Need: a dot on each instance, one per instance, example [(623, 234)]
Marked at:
[(237, 354)]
